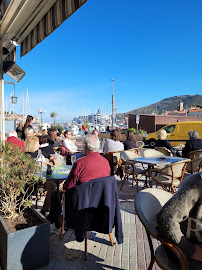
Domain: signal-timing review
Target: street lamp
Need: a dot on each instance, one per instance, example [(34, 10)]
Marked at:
[(13, 97), (41, 112)]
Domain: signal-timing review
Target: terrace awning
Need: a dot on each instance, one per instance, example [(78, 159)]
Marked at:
[(28, 22)]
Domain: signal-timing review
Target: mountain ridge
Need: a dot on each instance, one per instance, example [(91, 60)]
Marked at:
[(168, 104)]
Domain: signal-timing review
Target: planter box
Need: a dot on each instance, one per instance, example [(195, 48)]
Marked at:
[(123, 137), (27, 248)]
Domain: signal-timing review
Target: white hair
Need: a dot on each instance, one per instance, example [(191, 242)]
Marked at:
[(91, 143), (12, 133), (29, 131)]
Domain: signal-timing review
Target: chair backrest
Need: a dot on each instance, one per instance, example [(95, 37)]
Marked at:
[(195, 154), (194, 165), (116, 155), (139, 144), (152, 153), (113, 158), (175, 169), (129, 155), (164, 151), (148, 203), (94, 205)]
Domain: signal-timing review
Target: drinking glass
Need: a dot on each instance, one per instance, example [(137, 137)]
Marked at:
[(73, 159)]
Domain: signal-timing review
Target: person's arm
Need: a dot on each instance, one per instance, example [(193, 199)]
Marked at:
[(175, 211), (72, 177), (186, 150), (168, 145)]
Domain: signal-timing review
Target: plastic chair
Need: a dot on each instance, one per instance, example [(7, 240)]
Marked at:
[(147, 215), (170, 176)]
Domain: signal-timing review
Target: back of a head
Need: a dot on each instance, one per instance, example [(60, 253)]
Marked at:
[(193, 135), (115, 134), (91, 143), (12, 133), (130, 135), (29, 131), (43, 139), (31, 144), (161, 134)]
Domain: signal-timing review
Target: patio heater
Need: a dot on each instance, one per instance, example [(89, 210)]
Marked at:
[(41, 112)]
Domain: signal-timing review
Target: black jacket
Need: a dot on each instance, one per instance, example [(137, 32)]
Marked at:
[(94, 206), (190, 146)]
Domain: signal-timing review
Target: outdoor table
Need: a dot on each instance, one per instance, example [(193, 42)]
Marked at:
[(59, 173), (157, 161)]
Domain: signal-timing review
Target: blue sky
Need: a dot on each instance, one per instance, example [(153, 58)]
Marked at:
[(152, 49)]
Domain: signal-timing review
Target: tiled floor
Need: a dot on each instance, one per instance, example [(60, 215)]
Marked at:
[(133, 254)]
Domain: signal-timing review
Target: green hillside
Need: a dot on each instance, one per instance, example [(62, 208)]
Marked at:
[(169, 104)]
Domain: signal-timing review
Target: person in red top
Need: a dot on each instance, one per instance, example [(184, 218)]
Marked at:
[(89, 167), (13, 139)]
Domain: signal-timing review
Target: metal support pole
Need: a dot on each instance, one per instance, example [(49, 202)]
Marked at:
[(2, 94), (113, 105)]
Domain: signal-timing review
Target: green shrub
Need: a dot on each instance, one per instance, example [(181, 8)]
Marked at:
[(17, 180), (137, 132)]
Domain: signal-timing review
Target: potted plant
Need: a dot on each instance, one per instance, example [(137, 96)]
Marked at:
[(24, 233)]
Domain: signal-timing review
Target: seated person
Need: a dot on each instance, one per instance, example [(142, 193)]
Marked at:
[(46, 149), (194, 143), (95, 132), (67, 143), (70, 147), (180, 219), (29, 131), (113, 144), (130, 141), (32, 147), (53, 137), (89, 167), (162, 142), (13, 139)]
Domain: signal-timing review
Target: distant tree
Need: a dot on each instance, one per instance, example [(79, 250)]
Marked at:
[(87, 124), (59, 128), (53, 115)]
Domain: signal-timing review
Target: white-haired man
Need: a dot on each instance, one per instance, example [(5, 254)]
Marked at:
[(89, 167), (13, 139)]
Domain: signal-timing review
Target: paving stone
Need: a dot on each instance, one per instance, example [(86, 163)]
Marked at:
[(125, 264), (133, 254)]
